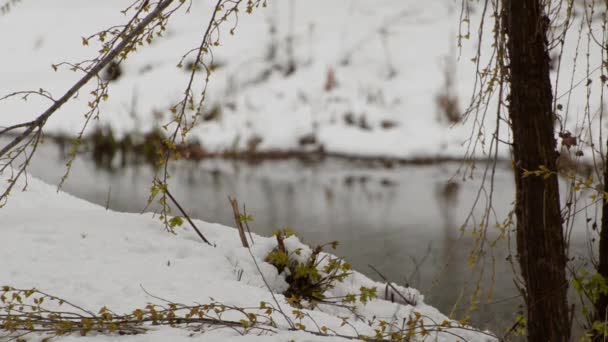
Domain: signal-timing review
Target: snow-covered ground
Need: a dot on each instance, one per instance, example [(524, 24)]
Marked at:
[(93, 258)]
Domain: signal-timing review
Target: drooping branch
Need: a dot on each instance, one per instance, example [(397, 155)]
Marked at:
[(210, 38), (127, 40)]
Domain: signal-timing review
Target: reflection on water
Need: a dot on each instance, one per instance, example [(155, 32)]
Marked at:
[(402, 220)]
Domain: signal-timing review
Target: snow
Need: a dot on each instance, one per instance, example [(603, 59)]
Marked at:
[(388, 58), (93, 257), (417, 42)]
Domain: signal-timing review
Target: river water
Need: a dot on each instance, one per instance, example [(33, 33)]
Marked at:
[(403, 220)]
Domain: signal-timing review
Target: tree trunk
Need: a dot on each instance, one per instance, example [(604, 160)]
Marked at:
[(601, 306), (540, 240)]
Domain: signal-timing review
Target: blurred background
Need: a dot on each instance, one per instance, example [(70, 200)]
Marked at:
[(343, 120)]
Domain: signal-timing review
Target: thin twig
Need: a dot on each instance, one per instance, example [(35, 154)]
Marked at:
[(238, 219), (187, 217), (127, 40), (247, 224), (274, 298), (388, 283)]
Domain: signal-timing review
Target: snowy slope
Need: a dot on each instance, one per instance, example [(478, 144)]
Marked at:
[(388, 59)]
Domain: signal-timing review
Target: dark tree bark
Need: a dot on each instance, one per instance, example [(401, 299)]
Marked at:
[(540, 240), (601, 306)]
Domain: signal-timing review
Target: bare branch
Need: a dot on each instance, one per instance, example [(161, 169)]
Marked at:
[(126, 41)]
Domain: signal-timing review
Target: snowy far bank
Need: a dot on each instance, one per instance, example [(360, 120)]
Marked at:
[(367, 78)]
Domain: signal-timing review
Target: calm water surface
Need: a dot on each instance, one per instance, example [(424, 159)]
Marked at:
[(404, 220)]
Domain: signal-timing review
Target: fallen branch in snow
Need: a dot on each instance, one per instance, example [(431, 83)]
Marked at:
[(23, 313), (27, 311), (390, 294)]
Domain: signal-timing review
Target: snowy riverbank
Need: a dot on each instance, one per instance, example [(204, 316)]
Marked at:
[(93, 258), (388, 64)]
